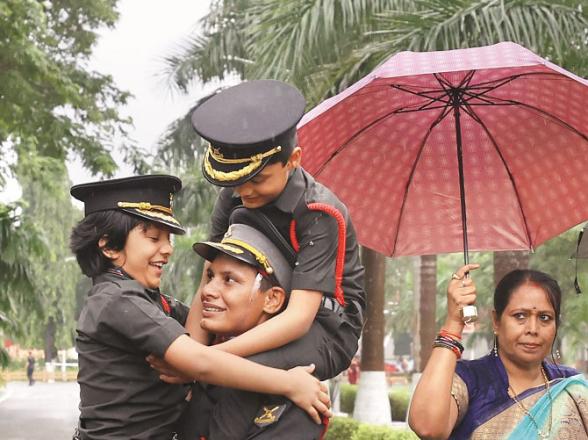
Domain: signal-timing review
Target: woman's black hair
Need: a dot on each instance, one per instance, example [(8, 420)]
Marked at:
[(112, 225), (513, 280)]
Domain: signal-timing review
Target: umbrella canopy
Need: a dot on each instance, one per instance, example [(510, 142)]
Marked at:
[(435, 152)]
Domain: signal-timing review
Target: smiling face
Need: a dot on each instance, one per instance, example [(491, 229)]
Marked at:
[(146, 251), (269, 183), (527, 327), (232, 301)]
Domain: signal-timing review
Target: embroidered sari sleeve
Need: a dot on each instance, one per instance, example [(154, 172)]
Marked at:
[(459, 392)]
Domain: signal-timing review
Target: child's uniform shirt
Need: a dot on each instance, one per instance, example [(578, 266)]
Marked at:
[(332, 340), (317, 234), (121, 396)]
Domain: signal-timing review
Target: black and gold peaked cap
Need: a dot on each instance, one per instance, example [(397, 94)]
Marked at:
[(248, 244), (245, 126), (149, 197)]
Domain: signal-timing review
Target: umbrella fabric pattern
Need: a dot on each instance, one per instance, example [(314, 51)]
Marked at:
[(433, 152)]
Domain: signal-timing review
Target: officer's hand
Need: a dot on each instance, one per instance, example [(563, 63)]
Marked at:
[(166, 372), (309, 393)]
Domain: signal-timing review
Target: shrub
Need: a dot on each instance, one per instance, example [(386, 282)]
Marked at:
[(341, 428), (399, 400), (347, 399), (371, 432)]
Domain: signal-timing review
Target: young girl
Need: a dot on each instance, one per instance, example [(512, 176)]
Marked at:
[(123, 243)]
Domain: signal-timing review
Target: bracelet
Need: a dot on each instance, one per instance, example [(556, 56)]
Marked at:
[(447, 340), (455, 350), (444, 332), (450, 341)]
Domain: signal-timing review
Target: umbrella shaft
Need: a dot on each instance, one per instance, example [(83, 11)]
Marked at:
[(464, 220)]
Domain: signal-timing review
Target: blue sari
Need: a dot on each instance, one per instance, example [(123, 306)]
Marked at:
[(485, 410)]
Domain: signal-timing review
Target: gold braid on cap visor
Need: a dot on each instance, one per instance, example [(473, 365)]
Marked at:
[(157, 211), (261, 259), (254, 163)]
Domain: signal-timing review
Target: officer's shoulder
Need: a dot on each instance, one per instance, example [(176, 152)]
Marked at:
[(118, 287)]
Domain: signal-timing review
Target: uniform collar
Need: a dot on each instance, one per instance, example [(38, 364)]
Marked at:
[(117, 274), (294, 190)]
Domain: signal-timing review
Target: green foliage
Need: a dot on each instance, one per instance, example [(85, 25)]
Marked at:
[(52, 105), (399, 400), (368, 432), (323, 46), (347, 399), (341, 428)]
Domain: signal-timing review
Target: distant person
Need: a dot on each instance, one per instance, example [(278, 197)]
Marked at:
[(513, 392), (353, 371), (31, 368), (123, 243)]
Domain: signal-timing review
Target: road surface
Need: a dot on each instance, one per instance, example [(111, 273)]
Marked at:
[(44, 411)]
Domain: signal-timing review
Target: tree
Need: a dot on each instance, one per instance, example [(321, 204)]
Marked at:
[(52, 108), (323, 46)]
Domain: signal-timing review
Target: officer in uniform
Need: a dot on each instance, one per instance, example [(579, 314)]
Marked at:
[(122, 321), (275, 416), (251, 130)]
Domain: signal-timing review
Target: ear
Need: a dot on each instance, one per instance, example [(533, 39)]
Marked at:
[(295, 157), (111, 254), (275, 297)]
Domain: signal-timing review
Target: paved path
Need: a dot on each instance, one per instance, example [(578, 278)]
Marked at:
[(45, 411)]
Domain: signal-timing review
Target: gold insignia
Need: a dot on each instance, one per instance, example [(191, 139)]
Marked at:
[(268, 417), (254, 163), (145, 206), (229, 232), (171, 201), (261, 258)]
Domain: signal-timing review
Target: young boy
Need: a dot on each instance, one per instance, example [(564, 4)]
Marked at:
[(246, 284), (253, 155), (123, 243)]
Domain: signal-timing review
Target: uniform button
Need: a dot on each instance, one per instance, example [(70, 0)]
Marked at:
[(311, 243)]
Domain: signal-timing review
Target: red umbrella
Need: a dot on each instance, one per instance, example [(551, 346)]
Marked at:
[(434, 152)]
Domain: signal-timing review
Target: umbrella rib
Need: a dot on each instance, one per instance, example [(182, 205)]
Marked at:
[(423, 94), (544, 113), (370, 125), (477, 118), (441, 116)]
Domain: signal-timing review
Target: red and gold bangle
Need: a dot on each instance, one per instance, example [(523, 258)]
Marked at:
[(444, 332)]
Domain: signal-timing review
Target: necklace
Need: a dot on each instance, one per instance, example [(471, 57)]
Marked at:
[(540, 434)]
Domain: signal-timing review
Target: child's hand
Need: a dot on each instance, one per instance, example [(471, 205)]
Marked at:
[(166, 372), (309, 393)]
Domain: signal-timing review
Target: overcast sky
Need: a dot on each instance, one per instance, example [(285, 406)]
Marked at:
[(133, 54)]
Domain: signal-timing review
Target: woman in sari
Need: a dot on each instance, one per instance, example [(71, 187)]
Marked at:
[(511, 393)]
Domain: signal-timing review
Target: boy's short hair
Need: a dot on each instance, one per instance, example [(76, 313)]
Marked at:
[(112, 225), (248, 126)]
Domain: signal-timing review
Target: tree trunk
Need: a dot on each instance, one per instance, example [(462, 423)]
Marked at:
[(50, 349), (505, 261), (425, 288), (372, 404)]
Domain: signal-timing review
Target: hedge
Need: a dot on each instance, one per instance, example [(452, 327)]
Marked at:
[(343, 428), (399, 399)]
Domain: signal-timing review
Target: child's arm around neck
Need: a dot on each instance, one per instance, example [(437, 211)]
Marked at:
[(291, 324)]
